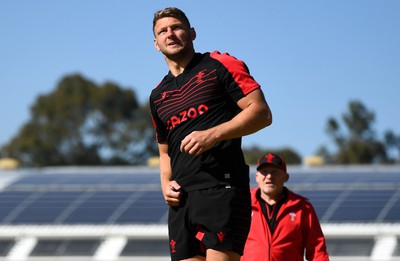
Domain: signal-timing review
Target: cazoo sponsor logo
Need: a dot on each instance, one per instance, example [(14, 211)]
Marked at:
[(185, 115)]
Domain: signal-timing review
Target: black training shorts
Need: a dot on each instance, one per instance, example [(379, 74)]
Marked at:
[(217, 218)]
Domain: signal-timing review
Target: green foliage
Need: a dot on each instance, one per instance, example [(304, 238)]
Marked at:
[(392, 142), (252, 155), (80, 123), (359, 145)]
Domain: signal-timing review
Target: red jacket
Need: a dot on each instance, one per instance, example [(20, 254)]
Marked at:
[(297, 230)]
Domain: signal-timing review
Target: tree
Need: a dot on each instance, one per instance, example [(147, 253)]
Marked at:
[(392, 142), (254, 153), (80, 123), (358, 145)]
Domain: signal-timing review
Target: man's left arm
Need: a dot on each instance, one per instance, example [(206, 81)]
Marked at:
[(255, 115)]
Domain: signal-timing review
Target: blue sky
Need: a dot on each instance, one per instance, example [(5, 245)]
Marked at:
[(311, 57)]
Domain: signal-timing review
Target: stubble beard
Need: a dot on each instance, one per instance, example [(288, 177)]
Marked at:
[(269, 190), (181, 53)]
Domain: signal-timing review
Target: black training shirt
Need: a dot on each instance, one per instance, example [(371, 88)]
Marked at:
[(203, 96)]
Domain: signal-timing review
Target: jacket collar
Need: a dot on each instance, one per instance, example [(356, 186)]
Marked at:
[(292, 198)]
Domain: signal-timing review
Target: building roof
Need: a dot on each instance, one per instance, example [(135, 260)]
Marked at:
[(119, 214), (368, 194)]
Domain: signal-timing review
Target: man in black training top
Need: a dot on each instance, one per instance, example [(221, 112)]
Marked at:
[(200, 110)]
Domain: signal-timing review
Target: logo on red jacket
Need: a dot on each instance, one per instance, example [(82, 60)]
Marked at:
[(292, 216)]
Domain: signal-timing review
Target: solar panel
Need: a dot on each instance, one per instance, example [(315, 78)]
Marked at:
[(393, 211), (5, 246), (326, 177), (149, 208), (396, 251), (94, 207), (374, 178), (84, 178), (361, 205), (321, 200), (95, 197), (36, 179), (146, 248), (73, 247), (9, 201), (46, 207), (350, 246)]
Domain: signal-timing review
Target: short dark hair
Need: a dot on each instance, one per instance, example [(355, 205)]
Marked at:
[(171, 12)]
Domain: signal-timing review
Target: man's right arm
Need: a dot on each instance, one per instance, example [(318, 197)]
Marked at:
[(170, 188)]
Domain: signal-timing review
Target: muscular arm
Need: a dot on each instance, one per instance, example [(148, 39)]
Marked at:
[(254, 116), (169, 187)]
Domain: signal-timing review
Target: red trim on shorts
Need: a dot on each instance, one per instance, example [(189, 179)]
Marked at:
[(200, 233)]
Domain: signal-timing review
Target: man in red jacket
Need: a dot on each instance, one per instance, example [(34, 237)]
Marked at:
[(284, 225)]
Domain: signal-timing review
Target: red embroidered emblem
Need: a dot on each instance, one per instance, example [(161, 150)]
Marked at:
[(292, 216), (172, 243), (269, 158), (221, 236), (200, 76)]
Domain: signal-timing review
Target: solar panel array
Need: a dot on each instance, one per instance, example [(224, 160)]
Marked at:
[(351, 197), (43, 197), (83, 198)]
